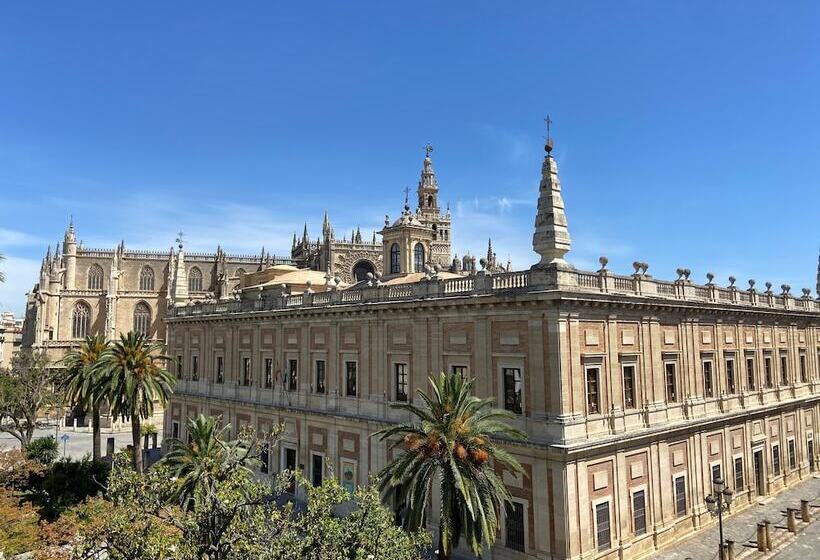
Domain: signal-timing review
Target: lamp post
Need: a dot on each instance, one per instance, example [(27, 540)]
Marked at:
[(718, 502)]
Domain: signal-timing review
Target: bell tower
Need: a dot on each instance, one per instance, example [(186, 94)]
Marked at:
[(428, 186)]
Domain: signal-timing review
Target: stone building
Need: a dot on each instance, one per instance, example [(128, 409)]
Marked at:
[(11, 337), (635, 392)]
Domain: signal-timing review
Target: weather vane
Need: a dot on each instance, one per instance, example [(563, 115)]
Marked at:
[(428, 148), (179, 239), (548, 145)]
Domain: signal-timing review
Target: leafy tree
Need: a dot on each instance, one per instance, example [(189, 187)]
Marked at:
[(452, 444), (25, 389), (85, 383), (43, 450), (66, 484), (136, 378)]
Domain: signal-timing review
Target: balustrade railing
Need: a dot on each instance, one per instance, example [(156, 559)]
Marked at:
[(484, 283)]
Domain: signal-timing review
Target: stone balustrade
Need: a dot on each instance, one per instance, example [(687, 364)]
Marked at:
[(603, 281)]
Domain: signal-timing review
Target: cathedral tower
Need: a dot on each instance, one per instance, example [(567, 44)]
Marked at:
[(430, 214), (70, 256)]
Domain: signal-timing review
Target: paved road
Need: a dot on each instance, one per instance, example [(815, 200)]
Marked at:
[(743, 527), (78, 444)]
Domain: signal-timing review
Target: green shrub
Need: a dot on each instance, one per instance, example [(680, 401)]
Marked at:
[(43, 450)]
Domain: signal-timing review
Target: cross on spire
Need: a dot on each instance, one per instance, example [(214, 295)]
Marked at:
[(179, 239), (548, 122), (428, 148)]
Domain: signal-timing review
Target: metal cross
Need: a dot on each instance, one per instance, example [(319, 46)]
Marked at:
[(406, 194), (428, 148), (548, 121)]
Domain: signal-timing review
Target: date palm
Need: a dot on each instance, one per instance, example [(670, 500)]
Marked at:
[(452, 445), (136, 378), (207, 459), (85, 384)]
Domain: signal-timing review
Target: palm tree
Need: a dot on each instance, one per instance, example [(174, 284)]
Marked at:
[(135, 379), (451, 445), (206, 460), (85, 382)]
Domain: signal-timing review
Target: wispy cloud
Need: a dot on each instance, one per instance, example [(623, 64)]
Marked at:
[(12, 238)]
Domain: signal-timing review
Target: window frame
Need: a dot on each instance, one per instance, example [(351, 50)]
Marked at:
[(731, 374), (629, 389), (599, 506), (220, 370), (351, 390), (768, 370), (677, 496), (516, 403), (194, 367), (635, 517), (751, 373), (776, 466), (592, 388), (520, 546), (401, 381), (418, 265), (267, 372), (247, 371), (321, 382), (791, 448), (395, 258), (708, 377), (740, 474), (674, 395), (293, 375)]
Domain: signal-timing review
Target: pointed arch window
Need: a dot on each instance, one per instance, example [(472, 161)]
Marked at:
[(395, 259), (195, 280), (95, 277), (80, 319), (418, 258), (147, 279), (142, 318)]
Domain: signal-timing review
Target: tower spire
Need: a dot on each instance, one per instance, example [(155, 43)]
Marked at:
[(428, 184), (551, 239), (818, 275)]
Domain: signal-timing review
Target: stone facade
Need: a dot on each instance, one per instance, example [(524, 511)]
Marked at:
[(11, 337), (634, 392)]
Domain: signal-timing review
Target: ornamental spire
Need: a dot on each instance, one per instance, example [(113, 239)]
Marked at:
[(428, 184), (551, 239), (818, 276)]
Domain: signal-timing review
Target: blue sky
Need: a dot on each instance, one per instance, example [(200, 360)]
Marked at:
[(688, 134)]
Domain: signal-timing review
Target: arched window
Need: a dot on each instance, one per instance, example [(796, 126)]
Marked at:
[(95, 277), (195, 280), (142, 318), (430, 201), (361, 270), (418, 258), (147, 279), (80, 319), (395, 254)]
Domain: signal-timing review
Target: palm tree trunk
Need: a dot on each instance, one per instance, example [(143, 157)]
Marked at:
[(137, 442), (95, 431), (442, 554)]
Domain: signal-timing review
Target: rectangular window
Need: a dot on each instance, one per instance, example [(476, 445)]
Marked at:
[(401, 382), (792, 455), (220, 369), (320, 376), (268, 373), (290, 464), (803, 374), (512, 389), (730, 376), (776, 459), (767, 370), (671, 381), (716, 473), (514, 524), (602, 530), (179, 367), (738, 474), (175, 429), (750, 373), (292, 374), (708, 387), (593, 396), (629, 385), (639, 512), (264, 458), (195, 368), (316, 469), (459, 370), (680, 496), (350, 379), (246, 371), (784, 369)]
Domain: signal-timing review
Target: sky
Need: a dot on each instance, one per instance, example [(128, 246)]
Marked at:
[(687, 133)]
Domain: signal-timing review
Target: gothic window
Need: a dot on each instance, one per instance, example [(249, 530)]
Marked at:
[(142, 318), (147, 279), (395, 254), (195, 280), (95, 277), (80, 320), (418, 258)]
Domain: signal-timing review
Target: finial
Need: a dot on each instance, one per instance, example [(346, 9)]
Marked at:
[(549, 144), (179, 240), (428, 149), (406, 199)]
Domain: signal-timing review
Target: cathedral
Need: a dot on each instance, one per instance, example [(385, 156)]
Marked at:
[(83, 290)]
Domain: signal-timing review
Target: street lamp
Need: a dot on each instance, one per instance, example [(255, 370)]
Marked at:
[(718, 502)]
